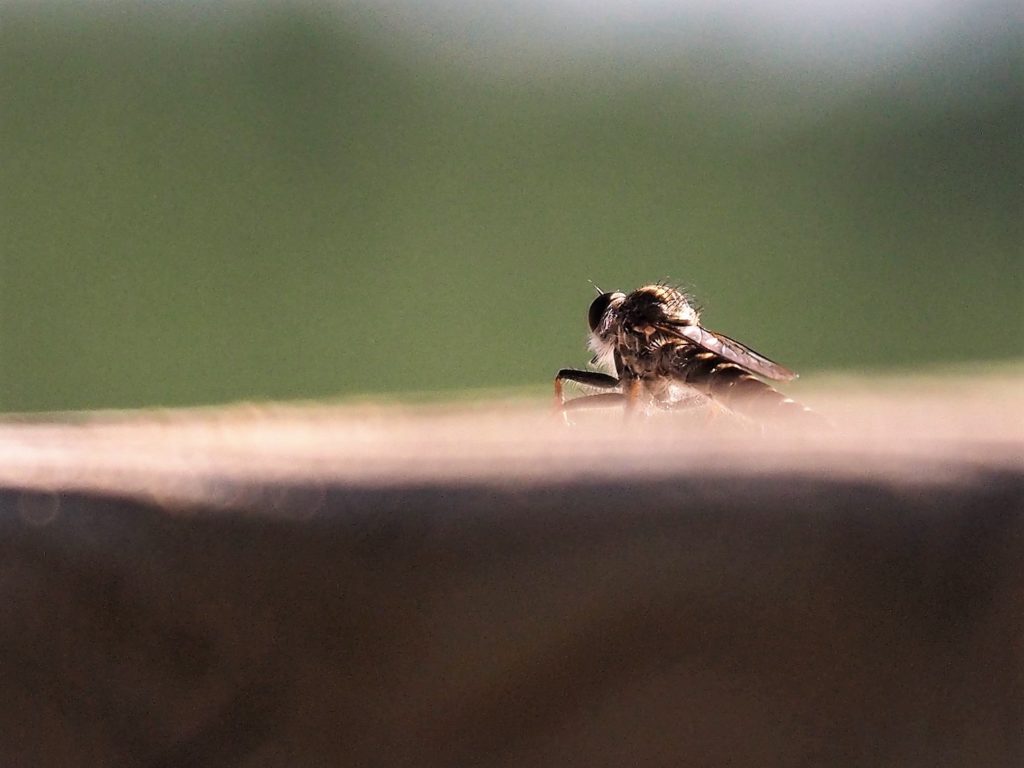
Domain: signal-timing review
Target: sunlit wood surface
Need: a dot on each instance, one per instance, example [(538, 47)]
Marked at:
[(915, 429), (482, 584)]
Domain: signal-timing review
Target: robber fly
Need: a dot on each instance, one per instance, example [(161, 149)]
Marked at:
[(653, 341)]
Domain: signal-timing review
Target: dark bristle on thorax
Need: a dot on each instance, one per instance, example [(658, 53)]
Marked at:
[(662, 301), (664, 292)]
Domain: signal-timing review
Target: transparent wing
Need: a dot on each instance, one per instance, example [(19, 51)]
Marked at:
[(733, 351)]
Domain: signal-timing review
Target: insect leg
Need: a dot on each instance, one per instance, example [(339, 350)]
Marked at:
[(632, 394), (593, 401), (589, 378)]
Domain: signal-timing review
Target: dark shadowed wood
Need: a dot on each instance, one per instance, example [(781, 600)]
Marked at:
[(482, 585)]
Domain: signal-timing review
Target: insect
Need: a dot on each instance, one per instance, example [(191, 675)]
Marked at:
[(653, 341)]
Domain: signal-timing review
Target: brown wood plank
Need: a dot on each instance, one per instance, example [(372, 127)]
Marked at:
[(481, 585)]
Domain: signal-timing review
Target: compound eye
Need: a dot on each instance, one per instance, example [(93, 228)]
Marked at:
[(597, 310)]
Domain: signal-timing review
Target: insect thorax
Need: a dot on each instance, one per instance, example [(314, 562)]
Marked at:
[(657, 304)]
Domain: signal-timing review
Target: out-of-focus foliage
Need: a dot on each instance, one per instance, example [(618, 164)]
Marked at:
[(204, 203)]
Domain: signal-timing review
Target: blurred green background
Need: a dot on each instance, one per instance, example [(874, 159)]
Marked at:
[(207, 202)]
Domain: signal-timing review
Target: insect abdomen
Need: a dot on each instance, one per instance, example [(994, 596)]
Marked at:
[(730, 385)]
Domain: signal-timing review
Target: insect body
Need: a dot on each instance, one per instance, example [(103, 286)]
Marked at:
[(653, 341)]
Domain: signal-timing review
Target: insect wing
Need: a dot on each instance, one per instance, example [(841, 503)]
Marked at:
[(734, 352)]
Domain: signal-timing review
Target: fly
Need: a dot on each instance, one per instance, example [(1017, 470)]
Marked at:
[(653, 347)]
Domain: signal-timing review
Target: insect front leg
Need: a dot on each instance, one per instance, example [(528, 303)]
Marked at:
[(590, 379), (601, 400), (631, 392)]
